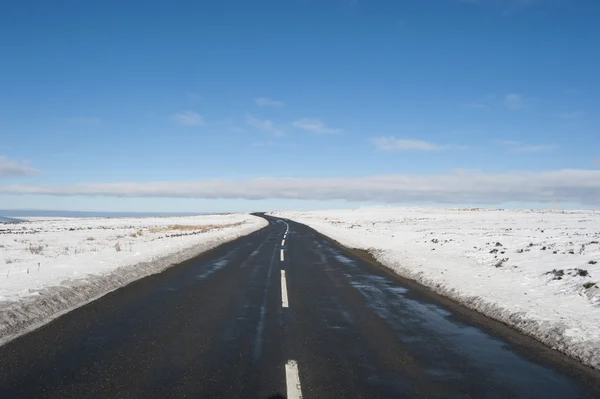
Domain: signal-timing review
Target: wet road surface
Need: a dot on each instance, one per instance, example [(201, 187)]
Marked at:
[(282, 312)]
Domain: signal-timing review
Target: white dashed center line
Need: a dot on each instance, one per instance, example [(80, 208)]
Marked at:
[(282, 257), (292, 380), (287, 228), (283, 242), (284, 296)]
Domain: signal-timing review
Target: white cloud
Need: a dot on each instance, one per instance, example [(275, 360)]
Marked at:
[(394, 144), (572, 115), (268, 102), (597, 161), (458, 187), (517, 146), (315, 126), (266, 126), (515, 101), (189, 118), (10, 168)]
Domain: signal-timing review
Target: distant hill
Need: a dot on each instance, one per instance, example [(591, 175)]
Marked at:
[(9, 220), (90, 214)]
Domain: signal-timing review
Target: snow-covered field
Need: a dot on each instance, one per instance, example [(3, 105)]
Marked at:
[(538, 271), (51, 265)]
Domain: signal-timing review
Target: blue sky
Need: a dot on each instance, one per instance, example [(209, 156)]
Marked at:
[(271, 104)]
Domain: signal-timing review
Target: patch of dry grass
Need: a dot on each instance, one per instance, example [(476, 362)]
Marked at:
[(36, 249), (200, 228)]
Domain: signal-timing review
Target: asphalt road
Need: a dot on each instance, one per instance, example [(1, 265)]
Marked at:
[(283, 312)]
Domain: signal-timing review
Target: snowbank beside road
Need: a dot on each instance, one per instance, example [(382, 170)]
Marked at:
[(538, 271), (48, 266)]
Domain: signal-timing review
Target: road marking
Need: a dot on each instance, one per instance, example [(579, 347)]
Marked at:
[(287, 227), (292, 380), (283, 242), (282, 257), (284, 297)]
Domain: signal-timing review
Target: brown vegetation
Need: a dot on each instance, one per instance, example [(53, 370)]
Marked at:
[(200, 228)]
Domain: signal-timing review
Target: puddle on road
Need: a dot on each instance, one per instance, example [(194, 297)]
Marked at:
[(399, 290), (218, 265), (344, 259)]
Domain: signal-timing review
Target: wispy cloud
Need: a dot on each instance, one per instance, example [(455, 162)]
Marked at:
[(458, 187), (268, 102), (394, 144), (515, 101), (315, 126), (10, 168), (265, 125), (597, 161), (517, 146), (572, 115), (189, 118)]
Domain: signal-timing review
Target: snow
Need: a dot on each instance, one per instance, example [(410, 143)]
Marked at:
[(533, 270), (51, 265)]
